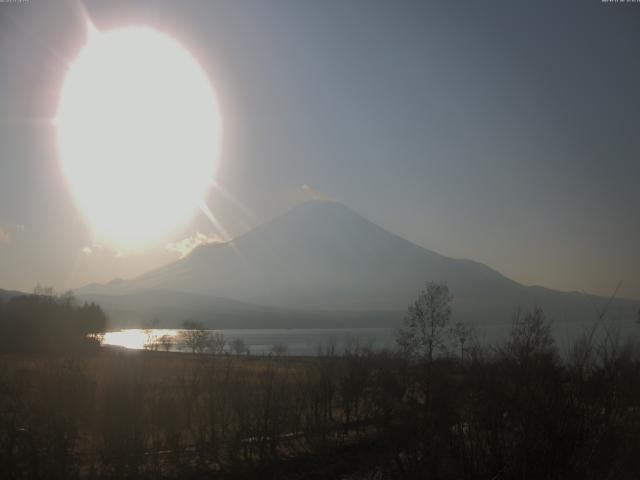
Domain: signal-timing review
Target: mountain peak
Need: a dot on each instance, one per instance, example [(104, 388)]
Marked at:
[(319, 207), (314, 215), (323, 256), (306, 219)]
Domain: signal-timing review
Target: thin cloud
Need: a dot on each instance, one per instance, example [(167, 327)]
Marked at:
[(309, 193), (98, 249), (4, 236), (185, 246)]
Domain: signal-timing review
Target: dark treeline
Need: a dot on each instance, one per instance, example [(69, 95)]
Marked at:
[(441, 407), (46, 322)]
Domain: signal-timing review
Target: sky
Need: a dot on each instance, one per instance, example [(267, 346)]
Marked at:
[(498, 131)]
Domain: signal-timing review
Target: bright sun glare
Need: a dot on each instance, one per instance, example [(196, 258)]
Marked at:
[(139, 135)]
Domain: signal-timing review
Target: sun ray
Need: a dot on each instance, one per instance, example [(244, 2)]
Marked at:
[(243, 208), (250, 219), (216, 223), (35, 40)]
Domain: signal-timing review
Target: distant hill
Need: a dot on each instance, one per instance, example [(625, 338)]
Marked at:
[(322, 261), (6, 295), (169, 309)]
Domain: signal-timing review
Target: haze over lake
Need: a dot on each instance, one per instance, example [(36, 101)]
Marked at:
[(322, 341)]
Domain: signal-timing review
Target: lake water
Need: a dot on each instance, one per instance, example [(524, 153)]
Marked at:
[(309, 342), (298, 342)]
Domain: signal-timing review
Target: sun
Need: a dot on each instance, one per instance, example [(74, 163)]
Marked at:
[(139, 135)]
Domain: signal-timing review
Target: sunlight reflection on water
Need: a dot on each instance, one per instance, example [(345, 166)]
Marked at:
[(309, 342), (258, 341), (138, 339)]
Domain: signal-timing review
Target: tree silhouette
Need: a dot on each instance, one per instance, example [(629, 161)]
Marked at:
[(424, 326), (46, 321)]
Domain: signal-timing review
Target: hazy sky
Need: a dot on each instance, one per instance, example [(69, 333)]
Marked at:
[(492, 130)]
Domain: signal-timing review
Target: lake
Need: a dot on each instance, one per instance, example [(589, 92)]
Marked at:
[(297, 342), (309, 342)]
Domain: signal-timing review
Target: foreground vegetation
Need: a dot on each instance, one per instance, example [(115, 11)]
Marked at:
[(441, 407), (47, 322)]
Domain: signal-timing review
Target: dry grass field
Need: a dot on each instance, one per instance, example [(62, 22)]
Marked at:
[(517, 409)]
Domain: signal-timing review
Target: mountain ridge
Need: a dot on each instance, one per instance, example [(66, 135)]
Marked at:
[(321, 256), (300, 227)]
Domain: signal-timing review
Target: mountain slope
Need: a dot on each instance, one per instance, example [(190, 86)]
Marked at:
[(322, 256)]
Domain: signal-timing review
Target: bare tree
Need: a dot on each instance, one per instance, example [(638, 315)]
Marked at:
[(166, 342), (238, 346), (217, 342), (530, 337), (151, 341), (460, 334), (44, 291), (196, 338), (151, 338), (424, 326), (279, 349)]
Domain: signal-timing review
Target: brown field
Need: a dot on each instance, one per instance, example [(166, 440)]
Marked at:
[(514, 410), (119, 413)]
